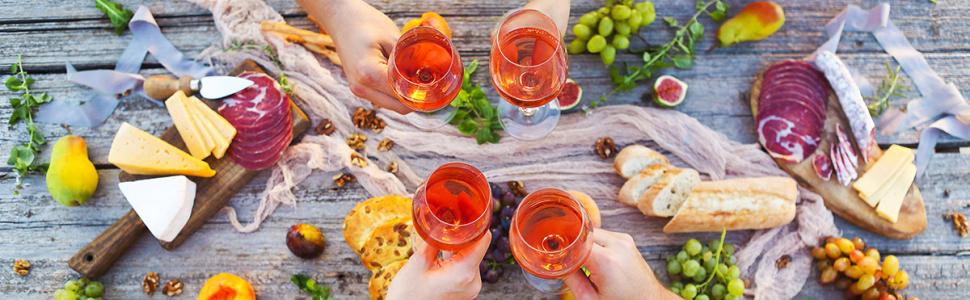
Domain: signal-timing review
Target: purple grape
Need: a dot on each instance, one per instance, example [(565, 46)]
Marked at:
[(496, 206), (507, 212), (503, 244), (508, 199), (482, 268), (506, 223), (496, 189), (498, 254), (491, 276), (496, 234)]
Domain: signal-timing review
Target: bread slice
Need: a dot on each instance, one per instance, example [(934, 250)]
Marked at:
[(635, 158), (381, 280), (361, 221), (634, 188), (388, 243), (665, 197), (735, 204)]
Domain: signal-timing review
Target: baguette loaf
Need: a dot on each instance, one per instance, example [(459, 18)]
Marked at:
[(634, 158), (735, 204), (665, 197), (634, 188)]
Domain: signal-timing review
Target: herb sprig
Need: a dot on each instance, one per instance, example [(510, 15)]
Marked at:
[(317, 291), (890, 88), (679, 52), (474, 114), (118, 14), (23, 157)]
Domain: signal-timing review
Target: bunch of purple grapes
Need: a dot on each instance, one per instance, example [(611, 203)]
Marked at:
[(499, 255)]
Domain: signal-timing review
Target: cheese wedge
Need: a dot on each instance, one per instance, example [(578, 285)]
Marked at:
[(138, 152), (201, 123), (882, 171), (225, 129), (164, 204), (188, 130), (890, 204)]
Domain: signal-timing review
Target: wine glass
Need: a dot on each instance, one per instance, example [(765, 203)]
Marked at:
[(425, 73), (453, 208), (549, 236), (528, 69)]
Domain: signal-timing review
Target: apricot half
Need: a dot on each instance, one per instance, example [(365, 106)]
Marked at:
[(225, 286), (430, 19)]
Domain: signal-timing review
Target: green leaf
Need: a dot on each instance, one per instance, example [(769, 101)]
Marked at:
[(117, 14), (646, 56), (696, 30), (671, 22), (483, 135), (720, 11), (13, 84), (467, 127), (299, 280), (683, 61), (13, 68)]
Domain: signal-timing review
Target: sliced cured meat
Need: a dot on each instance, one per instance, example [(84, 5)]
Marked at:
[(848, 164), (801, 76), (846, 145), (838, 166), (254, 162), (787, 138), (789, 97), (261, 115), (814, 97), (271, 131), (795, 111), (823, 165), (258, 147)]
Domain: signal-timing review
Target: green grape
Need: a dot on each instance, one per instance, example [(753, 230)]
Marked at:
[(718, 291), (731, 260), (713, 245), (722, 268), (608, 55), (65, 295), (94, 289), (605, 27), (621, 12), (735, 287), (682, 256), (596, 44), (621, 42), (641, 5), (577, 46), (72, 286), (634, 21), (689, 291), (582, 32), (693, 247), (673, 268), (589, 19), (677, 284), (707, 254), (700, 276), (690, 268), (675, 290), (622, 28), (627, 2), (728, 249), (603, 11), (732, 297), (702, 297), (709, 264), (647, 13), (733, 272)]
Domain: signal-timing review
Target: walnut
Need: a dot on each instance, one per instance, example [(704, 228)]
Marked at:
[(782, 261), (21, 267), (150, 283), (960, 223), (343, 179), (172, 288), (358, 160), (325, 127), (392, 167), (385, 145), (605, 147), (357, 141), (367, 119), (517, 188)]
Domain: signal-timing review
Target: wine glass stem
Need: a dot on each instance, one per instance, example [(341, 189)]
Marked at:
[(528, 112)]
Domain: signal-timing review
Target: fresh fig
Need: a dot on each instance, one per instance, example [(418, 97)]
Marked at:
[(668, 91), (305, 240), (570, 95)]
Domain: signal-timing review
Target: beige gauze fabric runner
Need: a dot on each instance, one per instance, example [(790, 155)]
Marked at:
[(563, 159)]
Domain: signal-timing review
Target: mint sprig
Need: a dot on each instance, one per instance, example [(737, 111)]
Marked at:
[(118, 14), (474, 114), (23, 156), (317, 291)]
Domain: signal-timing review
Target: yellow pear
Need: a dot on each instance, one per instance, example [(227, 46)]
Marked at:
[(71, 177)]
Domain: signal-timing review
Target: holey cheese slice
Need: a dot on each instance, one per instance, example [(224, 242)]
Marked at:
[(140, 153), (163, 204)]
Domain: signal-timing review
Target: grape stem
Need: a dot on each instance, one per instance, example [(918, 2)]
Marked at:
[(717, 261)]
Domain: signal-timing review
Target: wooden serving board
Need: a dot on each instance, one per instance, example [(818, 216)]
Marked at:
[(844, 200), (212, 194)]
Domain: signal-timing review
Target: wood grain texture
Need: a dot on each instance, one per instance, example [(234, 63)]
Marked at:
[(51, 32)]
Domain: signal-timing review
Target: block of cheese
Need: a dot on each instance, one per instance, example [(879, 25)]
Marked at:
[(886, 187), (890, 204), (137, 152), (188, 129), (201, 123), (225, 129), (884, 168), (163, 204)]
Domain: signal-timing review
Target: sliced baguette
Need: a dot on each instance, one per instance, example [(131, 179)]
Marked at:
[(635, 158), (634, 188), (735, 204), (665, 197)]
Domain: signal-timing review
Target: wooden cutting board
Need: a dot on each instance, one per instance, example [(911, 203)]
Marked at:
[(212, 194), (844, 200)]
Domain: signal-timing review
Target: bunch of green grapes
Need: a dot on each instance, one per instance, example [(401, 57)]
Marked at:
[(844, 262), (608, 28), (80, 289), (705, 272)]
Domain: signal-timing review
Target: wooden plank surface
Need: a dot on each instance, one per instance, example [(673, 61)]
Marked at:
[(51, 32)]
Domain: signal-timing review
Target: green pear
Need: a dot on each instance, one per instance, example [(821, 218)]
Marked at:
[(71, 177)]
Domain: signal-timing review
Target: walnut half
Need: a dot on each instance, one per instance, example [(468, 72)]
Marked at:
[(605, 147), (150, 283)]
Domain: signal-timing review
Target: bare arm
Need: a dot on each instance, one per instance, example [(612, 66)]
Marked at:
[(558, 10)]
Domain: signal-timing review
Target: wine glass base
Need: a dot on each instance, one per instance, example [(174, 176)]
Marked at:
[(431, 120), (531, 123), (545, 286)]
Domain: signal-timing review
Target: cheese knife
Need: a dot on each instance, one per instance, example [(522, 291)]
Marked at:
[(160, 87)]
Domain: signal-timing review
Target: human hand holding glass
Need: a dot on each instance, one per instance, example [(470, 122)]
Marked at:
[(426, 276), (613, 264)]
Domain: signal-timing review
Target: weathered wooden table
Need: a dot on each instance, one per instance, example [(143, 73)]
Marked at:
[(51, 32)]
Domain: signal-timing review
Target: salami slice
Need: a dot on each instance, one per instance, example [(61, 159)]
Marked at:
[(261, 115), (270, 132), (789, 97), (815, 98), (846, 145), (258, 163), (258, 147), (787, 137), (838, 166), (823, 165)]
